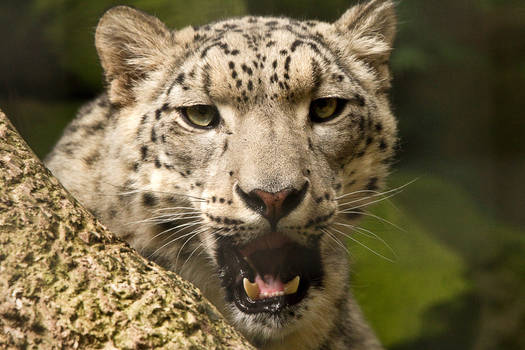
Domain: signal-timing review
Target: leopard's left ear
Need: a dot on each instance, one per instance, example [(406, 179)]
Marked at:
[(369, 30), (131, 44)]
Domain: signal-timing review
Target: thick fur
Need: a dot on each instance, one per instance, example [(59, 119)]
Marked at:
[(136, 163)]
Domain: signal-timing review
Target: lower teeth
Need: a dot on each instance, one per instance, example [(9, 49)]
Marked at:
[(253, 292)]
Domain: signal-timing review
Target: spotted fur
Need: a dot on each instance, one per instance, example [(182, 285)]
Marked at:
[(130, 155)]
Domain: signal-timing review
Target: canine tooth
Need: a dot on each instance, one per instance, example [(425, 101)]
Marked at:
[(251, 289), (291, 287)]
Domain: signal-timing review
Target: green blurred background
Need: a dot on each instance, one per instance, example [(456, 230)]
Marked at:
[(457, 280)]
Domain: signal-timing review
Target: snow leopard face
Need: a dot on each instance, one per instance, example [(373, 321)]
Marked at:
[(237, 140)]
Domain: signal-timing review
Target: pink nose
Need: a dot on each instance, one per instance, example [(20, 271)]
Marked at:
[(273, 205)]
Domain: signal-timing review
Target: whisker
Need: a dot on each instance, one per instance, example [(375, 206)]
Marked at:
[(153, 191), (165, 218), (201, 245), (376, 192), (334, 238), (356, 192), (372, 215), (186, 242), (372, 202), (175, 239), (174, 209), (364, 245), (196, 199), (367, 233)]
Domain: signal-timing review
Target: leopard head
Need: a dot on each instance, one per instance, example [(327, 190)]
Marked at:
[(246, 134)]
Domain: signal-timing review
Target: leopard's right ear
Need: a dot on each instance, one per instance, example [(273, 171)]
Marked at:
[(131, 44)]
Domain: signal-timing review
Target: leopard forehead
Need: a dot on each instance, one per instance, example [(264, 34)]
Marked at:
[(260, 60)]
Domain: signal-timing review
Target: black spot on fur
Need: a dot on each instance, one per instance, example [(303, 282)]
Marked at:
[(157, 114), (144, 152), (153, 135), (372, 184), (382, 145), (157, 162), (149, 200), (295, 44), (246, 69), (180, 78), (287, 63)]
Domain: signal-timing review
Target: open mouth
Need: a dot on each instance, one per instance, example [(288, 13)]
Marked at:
[(269, 274)]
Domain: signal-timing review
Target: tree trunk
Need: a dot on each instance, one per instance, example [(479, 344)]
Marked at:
[(66, 282)]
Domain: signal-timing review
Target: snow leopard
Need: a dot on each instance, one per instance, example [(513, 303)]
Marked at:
[(231, 154)]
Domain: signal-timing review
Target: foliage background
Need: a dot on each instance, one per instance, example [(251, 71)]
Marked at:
[(457, 276)]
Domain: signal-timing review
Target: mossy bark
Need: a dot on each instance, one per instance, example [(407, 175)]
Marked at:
[(66, 282)]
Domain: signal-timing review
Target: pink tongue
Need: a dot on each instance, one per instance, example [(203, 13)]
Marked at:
[(269, 284)]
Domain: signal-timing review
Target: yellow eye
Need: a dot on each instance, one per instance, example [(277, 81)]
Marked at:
[(324, 109), (202, 116)]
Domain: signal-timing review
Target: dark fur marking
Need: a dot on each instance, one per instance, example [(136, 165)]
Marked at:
[(180, 78), (92, 158), (144, 152), (310, 144), (246, 69), (225, 147), (157, 163), (153, 135), (382, 145), (206, 80), (287, 63), (149, 200), (372, 184)]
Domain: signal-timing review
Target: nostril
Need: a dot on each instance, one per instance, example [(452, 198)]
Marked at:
[(273, 205), (293, 200), (251, 199)]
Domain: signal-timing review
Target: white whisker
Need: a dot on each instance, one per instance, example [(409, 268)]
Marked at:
[(334, 238), (363, 245), (371, 215), (367, 233)]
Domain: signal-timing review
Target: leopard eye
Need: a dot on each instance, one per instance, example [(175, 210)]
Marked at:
[(201, 116), (325, 109)]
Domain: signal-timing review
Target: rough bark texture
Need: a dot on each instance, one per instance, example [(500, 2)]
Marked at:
[(66, 282)]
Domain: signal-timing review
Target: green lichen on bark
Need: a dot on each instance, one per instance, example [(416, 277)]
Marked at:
[(66, 282)]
